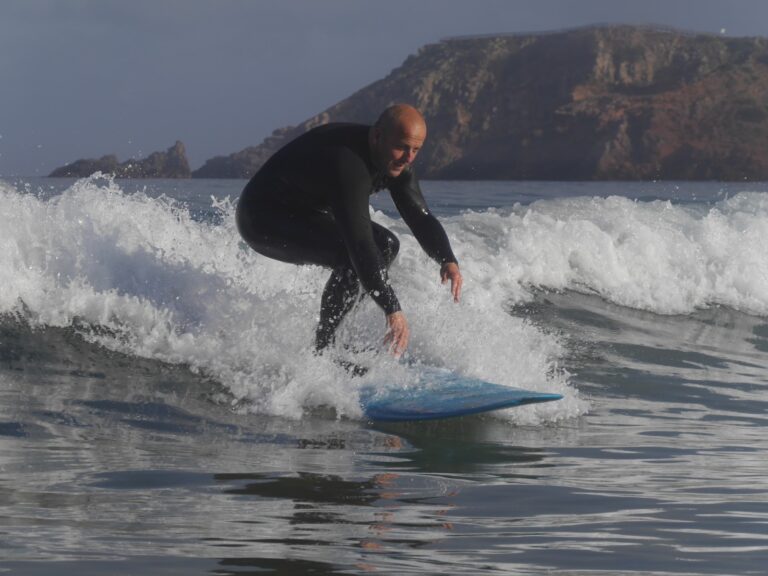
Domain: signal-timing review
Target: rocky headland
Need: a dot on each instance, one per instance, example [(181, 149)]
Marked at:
[(169, 164), (605, 102), (613, 102)]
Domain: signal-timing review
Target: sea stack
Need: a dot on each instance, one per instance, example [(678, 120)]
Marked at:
[(169, 164)]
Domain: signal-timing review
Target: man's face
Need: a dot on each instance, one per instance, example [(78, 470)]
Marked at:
[(397, 147)]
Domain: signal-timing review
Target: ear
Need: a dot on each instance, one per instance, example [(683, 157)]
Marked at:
[(376, 134)]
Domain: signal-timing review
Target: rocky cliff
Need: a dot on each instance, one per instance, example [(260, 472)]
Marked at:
[(169, 164), (614, 102)]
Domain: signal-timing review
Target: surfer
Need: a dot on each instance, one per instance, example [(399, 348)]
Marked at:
[(308, 204)]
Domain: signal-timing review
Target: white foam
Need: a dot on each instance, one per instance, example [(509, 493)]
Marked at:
[(656, 256), (168, 287), (171, 288)]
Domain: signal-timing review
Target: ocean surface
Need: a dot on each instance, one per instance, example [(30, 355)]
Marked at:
[(161, 412)]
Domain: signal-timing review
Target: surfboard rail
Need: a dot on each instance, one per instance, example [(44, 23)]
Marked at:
[(442, 394)]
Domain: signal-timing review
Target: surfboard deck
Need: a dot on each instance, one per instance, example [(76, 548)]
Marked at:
[(440, 394)]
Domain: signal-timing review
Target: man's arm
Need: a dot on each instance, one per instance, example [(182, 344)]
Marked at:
[(406, 193), (349, 196), (350, 207)]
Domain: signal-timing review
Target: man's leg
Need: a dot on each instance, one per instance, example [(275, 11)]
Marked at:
[(339, 297), (311, 237), (341, 290)]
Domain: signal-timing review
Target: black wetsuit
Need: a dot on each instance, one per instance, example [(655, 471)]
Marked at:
[(309, 204)]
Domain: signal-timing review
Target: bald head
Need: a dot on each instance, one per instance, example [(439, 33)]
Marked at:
[(396, 138), (402, 118)]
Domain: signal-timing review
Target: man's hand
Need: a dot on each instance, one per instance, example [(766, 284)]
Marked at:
[(397, 334), (450, 271)]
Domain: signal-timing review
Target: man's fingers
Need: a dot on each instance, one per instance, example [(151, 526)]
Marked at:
[(456, 284), (450, 271), (396, 337), (396, 343)]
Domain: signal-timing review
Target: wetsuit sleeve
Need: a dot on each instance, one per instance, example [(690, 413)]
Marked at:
[(406, 193), (348, 198)]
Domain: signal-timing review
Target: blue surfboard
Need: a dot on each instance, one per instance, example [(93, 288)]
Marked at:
[(443, 394)]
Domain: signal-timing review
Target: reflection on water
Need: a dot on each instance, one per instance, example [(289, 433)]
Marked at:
[(110, 464)]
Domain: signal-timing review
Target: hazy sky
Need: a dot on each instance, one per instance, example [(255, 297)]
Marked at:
[(83, 78)]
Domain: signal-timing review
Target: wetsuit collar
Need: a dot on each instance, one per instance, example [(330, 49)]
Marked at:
[(379, 181), (379, 178)]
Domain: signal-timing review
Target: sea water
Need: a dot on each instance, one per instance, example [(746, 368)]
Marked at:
[(161, 410)]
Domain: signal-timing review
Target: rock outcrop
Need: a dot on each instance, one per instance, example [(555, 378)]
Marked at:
[(169, 164), (614, 102)]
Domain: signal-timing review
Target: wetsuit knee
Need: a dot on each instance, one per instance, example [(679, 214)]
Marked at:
[(388, 243), (287, 234), (393, 247)]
